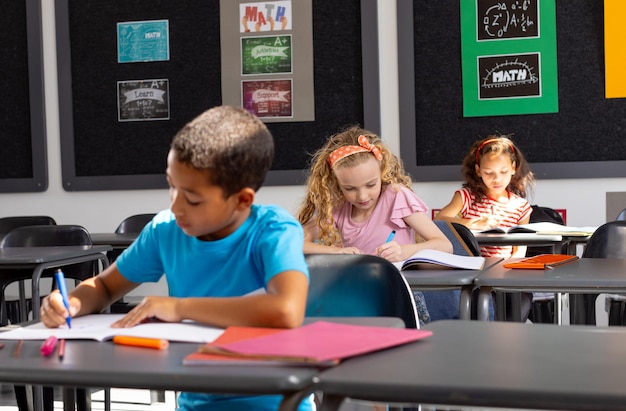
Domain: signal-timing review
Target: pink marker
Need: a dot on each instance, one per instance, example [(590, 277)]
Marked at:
[(48, 347)]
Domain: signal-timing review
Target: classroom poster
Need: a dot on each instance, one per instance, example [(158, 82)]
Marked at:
[(143, 100), (509, 61), (143, 41), (267, 58), (615, 48)]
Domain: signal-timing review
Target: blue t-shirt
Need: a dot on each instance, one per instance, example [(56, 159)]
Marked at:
[(268, 243)]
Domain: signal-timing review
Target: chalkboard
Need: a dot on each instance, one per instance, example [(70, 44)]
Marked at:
[(586, 138), (22, 132), (99, 152)]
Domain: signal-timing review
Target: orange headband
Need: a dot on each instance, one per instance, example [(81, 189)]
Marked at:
[(492, 140), (364, 146)]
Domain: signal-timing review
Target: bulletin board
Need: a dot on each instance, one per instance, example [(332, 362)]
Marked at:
[(586, 138), (22, 131), (99, 152)]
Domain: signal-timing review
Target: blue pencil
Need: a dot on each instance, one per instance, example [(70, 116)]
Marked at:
[(391, 235), (60, 278)]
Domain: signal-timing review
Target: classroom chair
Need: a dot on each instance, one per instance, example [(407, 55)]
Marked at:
[(608, 241), (542, 307), (47, 236), (10, 310), (351, 285), (444, 304), (132, 224)]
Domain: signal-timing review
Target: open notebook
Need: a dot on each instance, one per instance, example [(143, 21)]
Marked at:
[(430, 258)]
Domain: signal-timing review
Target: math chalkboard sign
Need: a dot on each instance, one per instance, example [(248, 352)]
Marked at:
[(22, 119), (114, 140), (586, 138), (507, 19)]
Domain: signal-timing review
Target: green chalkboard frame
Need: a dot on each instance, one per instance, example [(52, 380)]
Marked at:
[(590, 138)]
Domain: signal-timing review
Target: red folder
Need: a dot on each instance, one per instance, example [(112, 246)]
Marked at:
[(320, 344), (542, 261)]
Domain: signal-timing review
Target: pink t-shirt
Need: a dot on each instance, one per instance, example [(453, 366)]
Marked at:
[(394, 204)]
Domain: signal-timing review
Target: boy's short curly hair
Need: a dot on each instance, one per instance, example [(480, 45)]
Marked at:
[(233, 145)]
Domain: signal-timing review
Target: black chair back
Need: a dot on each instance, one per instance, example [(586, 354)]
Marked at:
[(134, 223), (346, 285), (8, 224), (608, 241), (543, 215)]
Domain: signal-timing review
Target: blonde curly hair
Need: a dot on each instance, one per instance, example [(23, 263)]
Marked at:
[(323, 190)]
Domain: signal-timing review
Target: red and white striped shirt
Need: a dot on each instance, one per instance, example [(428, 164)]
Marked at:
[(511, 212)]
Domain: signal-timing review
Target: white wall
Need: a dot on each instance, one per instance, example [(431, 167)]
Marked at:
[(100, 211)]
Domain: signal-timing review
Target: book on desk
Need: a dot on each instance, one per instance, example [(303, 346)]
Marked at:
[(433, 259), (540, 228), (541, 262)]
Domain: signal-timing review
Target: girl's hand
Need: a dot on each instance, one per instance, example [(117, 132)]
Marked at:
[(53, 312), (162, 308), (349, 250), (485, 222), (390, 251)]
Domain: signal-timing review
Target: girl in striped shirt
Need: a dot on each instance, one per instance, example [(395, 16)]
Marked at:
[(497, 181)]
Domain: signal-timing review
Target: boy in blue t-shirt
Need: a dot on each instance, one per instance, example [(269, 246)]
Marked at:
[(213, 245)]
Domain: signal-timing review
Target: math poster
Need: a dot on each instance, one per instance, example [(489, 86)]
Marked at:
[(143, 41), (143, 100), (509, 60), (615, 48), (267, 58)]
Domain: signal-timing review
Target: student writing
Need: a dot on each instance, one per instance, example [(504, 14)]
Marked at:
[(214, 246), (497, 180), (357, 194)]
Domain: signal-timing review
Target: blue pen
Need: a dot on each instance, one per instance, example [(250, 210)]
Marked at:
[(392, 234), (60, 278)]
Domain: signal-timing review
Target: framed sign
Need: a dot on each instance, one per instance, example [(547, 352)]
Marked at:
[(131, 76), (24, 166)]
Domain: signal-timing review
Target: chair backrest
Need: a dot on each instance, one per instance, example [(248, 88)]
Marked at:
[(621, 216), (346, 285), (46, 236), (8, 224), (608, 241), (134, 223), (543, 215), (463, 240)]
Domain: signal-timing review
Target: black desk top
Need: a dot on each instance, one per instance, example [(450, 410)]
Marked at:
[(104, 364), (583, 275), (493, 364), (113, 239), (38, 255)]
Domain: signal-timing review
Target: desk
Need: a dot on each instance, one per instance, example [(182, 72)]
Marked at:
[(117, 241), (104, 364), (447, 278), (93, 364), (586, 275), (520, 239), (41, 258), (490, 364)]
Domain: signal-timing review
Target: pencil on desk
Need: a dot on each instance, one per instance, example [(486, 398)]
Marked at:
[(18, 348), (61, 349)]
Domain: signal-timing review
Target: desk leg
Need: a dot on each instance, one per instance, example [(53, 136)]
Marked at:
[(291, 401), (516, 307), (69, 399), (558, 308), (331, 402), (465, 303), (484, 295)]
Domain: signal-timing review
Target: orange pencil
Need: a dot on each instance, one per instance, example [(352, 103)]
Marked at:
[(141, 342)]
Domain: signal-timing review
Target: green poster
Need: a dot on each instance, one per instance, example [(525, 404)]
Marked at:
[(266, 55), (509, 60)]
